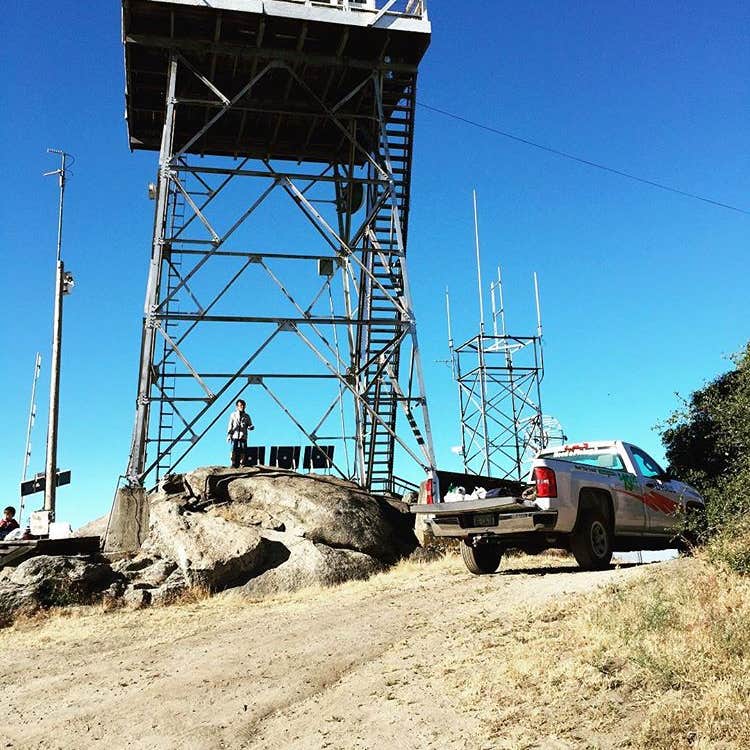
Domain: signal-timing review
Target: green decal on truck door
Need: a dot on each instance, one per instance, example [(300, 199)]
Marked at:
[(630, 481)]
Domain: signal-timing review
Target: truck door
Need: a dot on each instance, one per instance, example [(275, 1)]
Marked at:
[(661, 497), (630, 515)]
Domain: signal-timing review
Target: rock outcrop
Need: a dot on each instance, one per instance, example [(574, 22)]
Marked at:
[(265, 530), (46, 581), (257, 531), (97, 527), (301, 563), (209, 550)]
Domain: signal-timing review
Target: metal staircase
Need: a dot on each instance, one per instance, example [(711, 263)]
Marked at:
[(383, 254)]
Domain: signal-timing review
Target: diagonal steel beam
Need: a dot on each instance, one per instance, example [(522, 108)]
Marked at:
[(219, 243), (337, 122), (216, 397), (204, 80), (216, 299), (372, 413), (201, 217), (244, 90), (185, 361), (310, 436), (176, 272)]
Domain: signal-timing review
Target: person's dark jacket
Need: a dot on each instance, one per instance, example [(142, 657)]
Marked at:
[(6, 526)]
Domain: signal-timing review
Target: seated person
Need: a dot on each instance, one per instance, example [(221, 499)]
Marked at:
[(9, 522)]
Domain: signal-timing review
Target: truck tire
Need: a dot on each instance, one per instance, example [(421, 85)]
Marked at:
[(591, 543), (484, 558)]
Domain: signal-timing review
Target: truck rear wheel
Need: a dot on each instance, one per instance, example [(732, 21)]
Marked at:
[(484, 558), (591, 543)]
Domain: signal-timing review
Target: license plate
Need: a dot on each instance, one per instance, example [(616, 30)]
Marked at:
[(484, 519)]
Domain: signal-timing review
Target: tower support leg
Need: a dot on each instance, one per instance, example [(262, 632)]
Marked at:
[(146, 374)]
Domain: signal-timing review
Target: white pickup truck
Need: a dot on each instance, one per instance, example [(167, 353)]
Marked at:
[(591, 498)]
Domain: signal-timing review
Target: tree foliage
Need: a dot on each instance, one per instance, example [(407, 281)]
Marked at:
[(708, 443)]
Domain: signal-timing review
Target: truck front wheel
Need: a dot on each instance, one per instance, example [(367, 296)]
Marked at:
[(591, 543), (484, 558)]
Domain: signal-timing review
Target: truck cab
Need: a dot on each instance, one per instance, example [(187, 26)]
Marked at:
[(645, 499)]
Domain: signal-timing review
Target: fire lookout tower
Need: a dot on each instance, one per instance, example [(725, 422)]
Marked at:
[(255, 106)]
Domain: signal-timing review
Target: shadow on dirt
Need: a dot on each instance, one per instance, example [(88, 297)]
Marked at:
[(561, 569)]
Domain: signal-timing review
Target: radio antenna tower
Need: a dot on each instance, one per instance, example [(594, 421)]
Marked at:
[(263, 115), (499, 377)]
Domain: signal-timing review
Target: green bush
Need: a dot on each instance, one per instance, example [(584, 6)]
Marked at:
[(708, 444)]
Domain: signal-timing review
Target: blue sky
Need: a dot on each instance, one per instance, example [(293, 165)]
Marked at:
[(643, 291)]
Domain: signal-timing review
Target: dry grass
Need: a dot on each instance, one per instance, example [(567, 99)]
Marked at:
[(660, 663), (730, 548)]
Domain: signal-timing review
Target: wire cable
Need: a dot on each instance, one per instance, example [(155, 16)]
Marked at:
[(581, 160)]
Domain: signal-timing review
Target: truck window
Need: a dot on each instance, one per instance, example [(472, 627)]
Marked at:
[(646, 465), (600, 460)]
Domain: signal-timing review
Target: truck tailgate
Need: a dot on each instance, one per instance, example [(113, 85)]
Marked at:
[(505, 504)]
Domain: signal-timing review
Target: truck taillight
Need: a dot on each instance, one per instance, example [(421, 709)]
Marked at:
[(546, 483), (428, 491)]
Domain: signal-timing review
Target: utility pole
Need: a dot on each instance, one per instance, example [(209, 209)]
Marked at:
[(63, 284)]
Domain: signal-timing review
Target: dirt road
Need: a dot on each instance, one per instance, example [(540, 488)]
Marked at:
[(366, 665)]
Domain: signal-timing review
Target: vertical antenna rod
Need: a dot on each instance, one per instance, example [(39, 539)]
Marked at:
[(539, 324), (448, 316), (450, 331), (50, 489), (514, 407), (494, 309), (538, 307), (29, 428), (502, 301), (482, 364), (479, 265), (539, 364)]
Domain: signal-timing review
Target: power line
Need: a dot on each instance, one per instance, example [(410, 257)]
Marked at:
[(581, 160)]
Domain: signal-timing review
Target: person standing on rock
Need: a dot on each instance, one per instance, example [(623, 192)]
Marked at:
[(239, 425)]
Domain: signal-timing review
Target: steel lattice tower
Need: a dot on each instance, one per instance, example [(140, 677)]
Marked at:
[(252, 104), (499, 378)]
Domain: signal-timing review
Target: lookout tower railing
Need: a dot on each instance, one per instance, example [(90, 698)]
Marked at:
[(416, 8)]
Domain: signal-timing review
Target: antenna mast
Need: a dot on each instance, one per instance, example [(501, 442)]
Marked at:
[(29, 428), (539, 326), (479, 265), (450, 331), (480, 349)]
